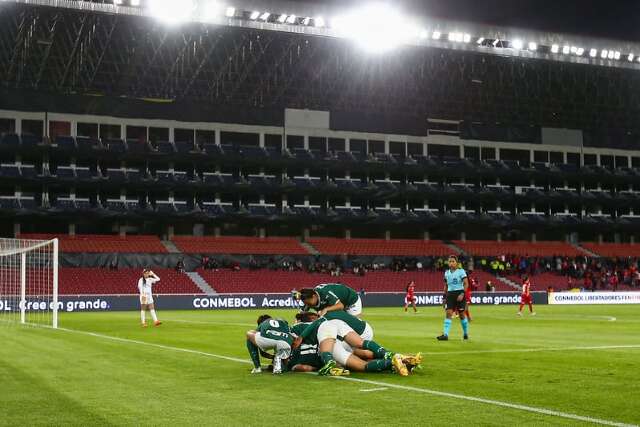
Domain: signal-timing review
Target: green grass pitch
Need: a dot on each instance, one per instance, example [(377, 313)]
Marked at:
[(103, 369)]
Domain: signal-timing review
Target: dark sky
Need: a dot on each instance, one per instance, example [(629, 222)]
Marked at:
[(616, 19)]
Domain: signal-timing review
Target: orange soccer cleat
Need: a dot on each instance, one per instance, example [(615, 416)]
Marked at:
[(157, 323)]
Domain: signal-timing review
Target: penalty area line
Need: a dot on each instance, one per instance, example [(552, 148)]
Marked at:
[(535, 350), (378, 384)]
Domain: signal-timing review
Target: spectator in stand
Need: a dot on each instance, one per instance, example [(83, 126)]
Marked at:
[(204, 262), (613, 282), (114, 264), (180, 266), (489, 287)]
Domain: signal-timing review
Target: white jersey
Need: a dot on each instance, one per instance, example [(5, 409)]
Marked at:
[(145, 288)]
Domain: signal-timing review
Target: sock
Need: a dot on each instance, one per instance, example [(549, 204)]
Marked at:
[(378, 365), (447, 326), (326, 357), (153, 315), (142, 316), (521, 305), (253, 352), (531, 308), (465, 325), (377, 349)]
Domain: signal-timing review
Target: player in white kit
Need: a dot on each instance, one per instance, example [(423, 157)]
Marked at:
[(145, 283)]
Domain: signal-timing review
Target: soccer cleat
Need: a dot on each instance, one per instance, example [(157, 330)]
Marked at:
[(533, 314), (399, 366), (326, 369), (465, 337), (338, 372), (157, 323), (443, 338), (519, 313), (412, 360), (277, 366), (388, 355), (144, 324), (256, 371)]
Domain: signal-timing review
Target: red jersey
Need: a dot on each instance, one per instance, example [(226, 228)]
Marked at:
[(473, 285), (526, 287), (410, 291)]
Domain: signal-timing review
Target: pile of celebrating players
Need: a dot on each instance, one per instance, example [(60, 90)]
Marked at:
[(331, 339)]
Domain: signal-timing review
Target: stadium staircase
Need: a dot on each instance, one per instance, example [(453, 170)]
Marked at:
[(585, 250), (509, 283), (455, 249), (199, 281), (310, 249), (171, 247)]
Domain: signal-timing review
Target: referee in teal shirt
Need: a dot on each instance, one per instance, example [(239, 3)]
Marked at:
[(455, 283)]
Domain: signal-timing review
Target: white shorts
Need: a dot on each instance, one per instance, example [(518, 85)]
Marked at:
[(328, 330), (355, 309), (282, 348), (146, 299), (341, 354), (367, 335)]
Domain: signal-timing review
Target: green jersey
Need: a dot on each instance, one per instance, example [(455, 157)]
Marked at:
[(276, 329), (307, 353), (331, 293), (353, 322)]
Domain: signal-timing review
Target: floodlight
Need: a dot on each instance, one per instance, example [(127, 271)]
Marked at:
[(265, 16), (611, 54), (291, 19), (171, 11), (517, 44), (616, 55), (230, 12), (318, 21), (604, 53), (574, 49), (135, 3), (437, 35), (282, 18), (555, 48), (254, 15), (593, 53), (452, 37), (495, 42), (533, 46), (117, 2), (306, 21), (466, 38), (567, 49), (580, 51), (480, 40), (630, 57)]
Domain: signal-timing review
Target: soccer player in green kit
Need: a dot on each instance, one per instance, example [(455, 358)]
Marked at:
[(455, 285), (356, 334), (329, 297), (271, 334)]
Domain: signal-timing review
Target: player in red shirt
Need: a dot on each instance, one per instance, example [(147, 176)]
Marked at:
[(526, 296), (473, 285), (410, 297)]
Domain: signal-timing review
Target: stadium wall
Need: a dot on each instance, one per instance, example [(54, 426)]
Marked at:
[(80, 303)]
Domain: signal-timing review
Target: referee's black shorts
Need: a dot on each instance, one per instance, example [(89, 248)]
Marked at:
[(452, 300)]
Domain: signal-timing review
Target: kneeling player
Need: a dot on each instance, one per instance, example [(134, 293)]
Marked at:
[(272, 334)]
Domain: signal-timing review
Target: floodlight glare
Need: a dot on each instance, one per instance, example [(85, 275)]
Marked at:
[(424, 34), (265, 16), (617, 55), (282, 18), (567, 49), (517, 44), (580, 51), (604, 54), (630, 57), (376, 28), (496, 42), (480, 40), (593, 53), (437, 35), (319, 21), (230, 12), (533, 46), (212, 11), (466, 38), (171, 11), (555, 48), (291, 19), (254, 15), (611, 54), (452, 37), (574, 49), (117, 2), (306, 21), (135, 3)]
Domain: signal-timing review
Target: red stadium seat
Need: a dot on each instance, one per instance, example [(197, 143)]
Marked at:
[(621, 250), (394, 247), (522, 248), (101, 243), (240, 245)]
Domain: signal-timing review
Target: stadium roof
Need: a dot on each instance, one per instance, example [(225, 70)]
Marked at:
[(376, 26)]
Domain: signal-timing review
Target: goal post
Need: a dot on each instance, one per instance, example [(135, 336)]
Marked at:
[(29, 281)]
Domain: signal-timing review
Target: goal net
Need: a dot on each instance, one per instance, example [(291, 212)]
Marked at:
[(29, 282)]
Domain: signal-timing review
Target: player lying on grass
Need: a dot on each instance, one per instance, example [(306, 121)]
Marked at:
[(305, 358), (331, 297), (356, 347), (455, 285), (271, 334), (145, 284)]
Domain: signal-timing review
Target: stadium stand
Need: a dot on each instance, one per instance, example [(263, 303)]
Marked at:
[(104, 243), (613, 249), (265, 281), (394, 247), (101, 281), (240, 245), (522, 248)]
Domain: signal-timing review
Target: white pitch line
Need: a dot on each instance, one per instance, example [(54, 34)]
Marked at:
[(533, 409), (534, 350), (369, 390), (205, 322)]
